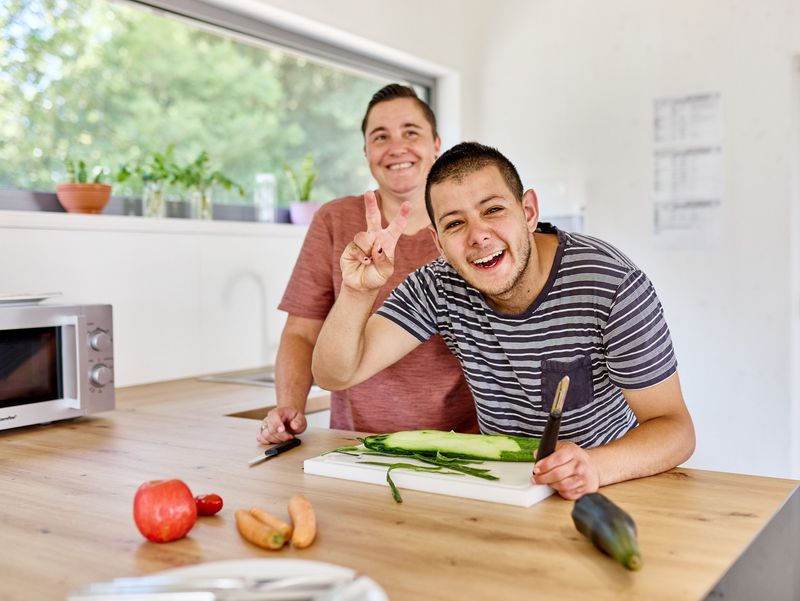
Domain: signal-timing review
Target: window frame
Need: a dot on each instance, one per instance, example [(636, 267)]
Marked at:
[(259, 28), (262, 23)]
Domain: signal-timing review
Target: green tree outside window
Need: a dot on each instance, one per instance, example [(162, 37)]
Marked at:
[(113, 84)]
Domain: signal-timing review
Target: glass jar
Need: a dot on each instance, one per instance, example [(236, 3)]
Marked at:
[(153, 201), (200, 206), (264, 197)]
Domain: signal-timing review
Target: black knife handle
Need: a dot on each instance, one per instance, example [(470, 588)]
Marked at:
[(285, 446), (550, 437)]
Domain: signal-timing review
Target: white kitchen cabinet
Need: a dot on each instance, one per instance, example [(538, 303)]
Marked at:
[(189, 297)]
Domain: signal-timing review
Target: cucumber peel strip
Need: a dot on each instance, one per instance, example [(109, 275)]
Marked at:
[(456, 466), (405, 466)]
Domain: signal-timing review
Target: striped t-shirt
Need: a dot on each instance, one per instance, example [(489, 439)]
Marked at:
[(597, 319)]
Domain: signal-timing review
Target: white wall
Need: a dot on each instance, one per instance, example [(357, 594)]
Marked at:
[(189, 297), (569, 90)]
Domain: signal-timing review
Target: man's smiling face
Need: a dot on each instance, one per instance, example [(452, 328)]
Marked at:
[(484, 232), (400, 146)]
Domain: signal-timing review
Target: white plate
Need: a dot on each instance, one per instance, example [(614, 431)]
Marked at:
[(275, 568), (25, 298)]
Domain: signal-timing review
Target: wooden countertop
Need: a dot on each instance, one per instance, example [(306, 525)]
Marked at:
[(67, 492), (198, 397)]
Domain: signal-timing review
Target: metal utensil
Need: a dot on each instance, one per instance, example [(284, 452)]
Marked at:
[(229, 595), (355, 590), (275, 450), (550, 436), (176, 588)]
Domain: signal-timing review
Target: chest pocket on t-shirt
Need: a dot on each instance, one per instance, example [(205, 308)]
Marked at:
[(581, 389)]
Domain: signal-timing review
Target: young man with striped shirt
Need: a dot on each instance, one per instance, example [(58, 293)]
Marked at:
[(520, 304)]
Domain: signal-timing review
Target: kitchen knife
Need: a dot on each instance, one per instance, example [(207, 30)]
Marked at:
[(275, 450), (550, 436)]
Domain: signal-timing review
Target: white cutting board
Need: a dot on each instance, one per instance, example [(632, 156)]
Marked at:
[(514, 486)]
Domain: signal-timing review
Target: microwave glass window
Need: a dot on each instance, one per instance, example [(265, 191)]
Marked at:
[(30, 366)]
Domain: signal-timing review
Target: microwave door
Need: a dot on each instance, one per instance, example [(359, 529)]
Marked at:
[(73, 363), (30, 367)]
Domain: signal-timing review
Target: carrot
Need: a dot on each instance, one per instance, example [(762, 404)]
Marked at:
[(303, 520), (273, 522), (257, 532)]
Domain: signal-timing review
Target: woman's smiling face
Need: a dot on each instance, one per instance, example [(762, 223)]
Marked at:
[(399, 146)]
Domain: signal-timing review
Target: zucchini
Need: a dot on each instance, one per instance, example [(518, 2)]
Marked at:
[(609, 528), (430, 443)]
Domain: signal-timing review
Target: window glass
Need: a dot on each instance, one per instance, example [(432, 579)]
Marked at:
[(110, 82)]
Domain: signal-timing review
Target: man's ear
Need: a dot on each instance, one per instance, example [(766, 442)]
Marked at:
[(435, 236), (437, 146), (530, 205)]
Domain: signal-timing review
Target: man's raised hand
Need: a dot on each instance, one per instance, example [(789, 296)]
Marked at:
[(367, 262)]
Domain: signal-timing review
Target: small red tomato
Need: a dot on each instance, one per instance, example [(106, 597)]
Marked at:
[(164, 510), (208, 504)]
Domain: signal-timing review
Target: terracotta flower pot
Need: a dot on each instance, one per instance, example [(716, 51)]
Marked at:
[(302, 211), (83, 198)]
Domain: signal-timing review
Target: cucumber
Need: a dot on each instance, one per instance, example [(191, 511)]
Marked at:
[(609, 528), (488, 447)]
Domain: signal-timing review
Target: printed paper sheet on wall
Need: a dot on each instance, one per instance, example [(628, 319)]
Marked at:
[(687, 171)]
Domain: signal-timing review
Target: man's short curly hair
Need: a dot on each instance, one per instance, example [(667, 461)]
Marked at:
[(466, 158)]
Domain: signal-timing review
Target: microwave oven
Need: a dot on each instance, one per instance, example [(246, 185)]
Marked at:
[(56, 362)]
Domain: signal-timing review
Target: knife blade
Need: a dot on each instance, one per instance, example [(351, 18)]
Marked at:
[(274, 450), (550, 436)]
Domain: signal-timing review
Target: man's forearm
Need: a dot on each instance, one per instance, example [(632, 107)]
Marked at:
[(340, 345), (651, 448), (293, 377)]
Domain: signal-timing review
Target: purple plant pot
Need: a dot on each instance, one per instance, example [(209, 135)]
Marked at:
[(302, 212)]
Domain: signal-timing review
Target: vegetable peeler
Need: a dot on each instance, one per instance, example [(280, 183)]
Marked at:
[(550, 436)]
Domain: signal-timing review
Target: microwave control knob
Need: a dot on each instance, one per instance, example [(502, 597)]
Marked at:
[(100, 340), (101, 375)]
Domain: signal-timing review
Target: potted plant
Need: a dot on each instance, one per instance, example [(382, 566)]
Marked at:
[(83, 193), (301, 208), (198, 178), (155, 172)]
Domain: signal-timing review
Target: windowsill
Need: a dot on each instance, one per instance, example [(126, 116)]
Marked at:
[(49, 220), (41, 210)]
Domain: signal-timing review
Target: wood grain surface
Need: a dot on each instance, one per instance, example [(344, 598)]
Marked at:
[(67, 493)]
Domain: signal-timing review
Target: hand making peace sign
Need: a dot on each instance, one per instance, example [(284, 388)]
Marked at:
[(367, 262)]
